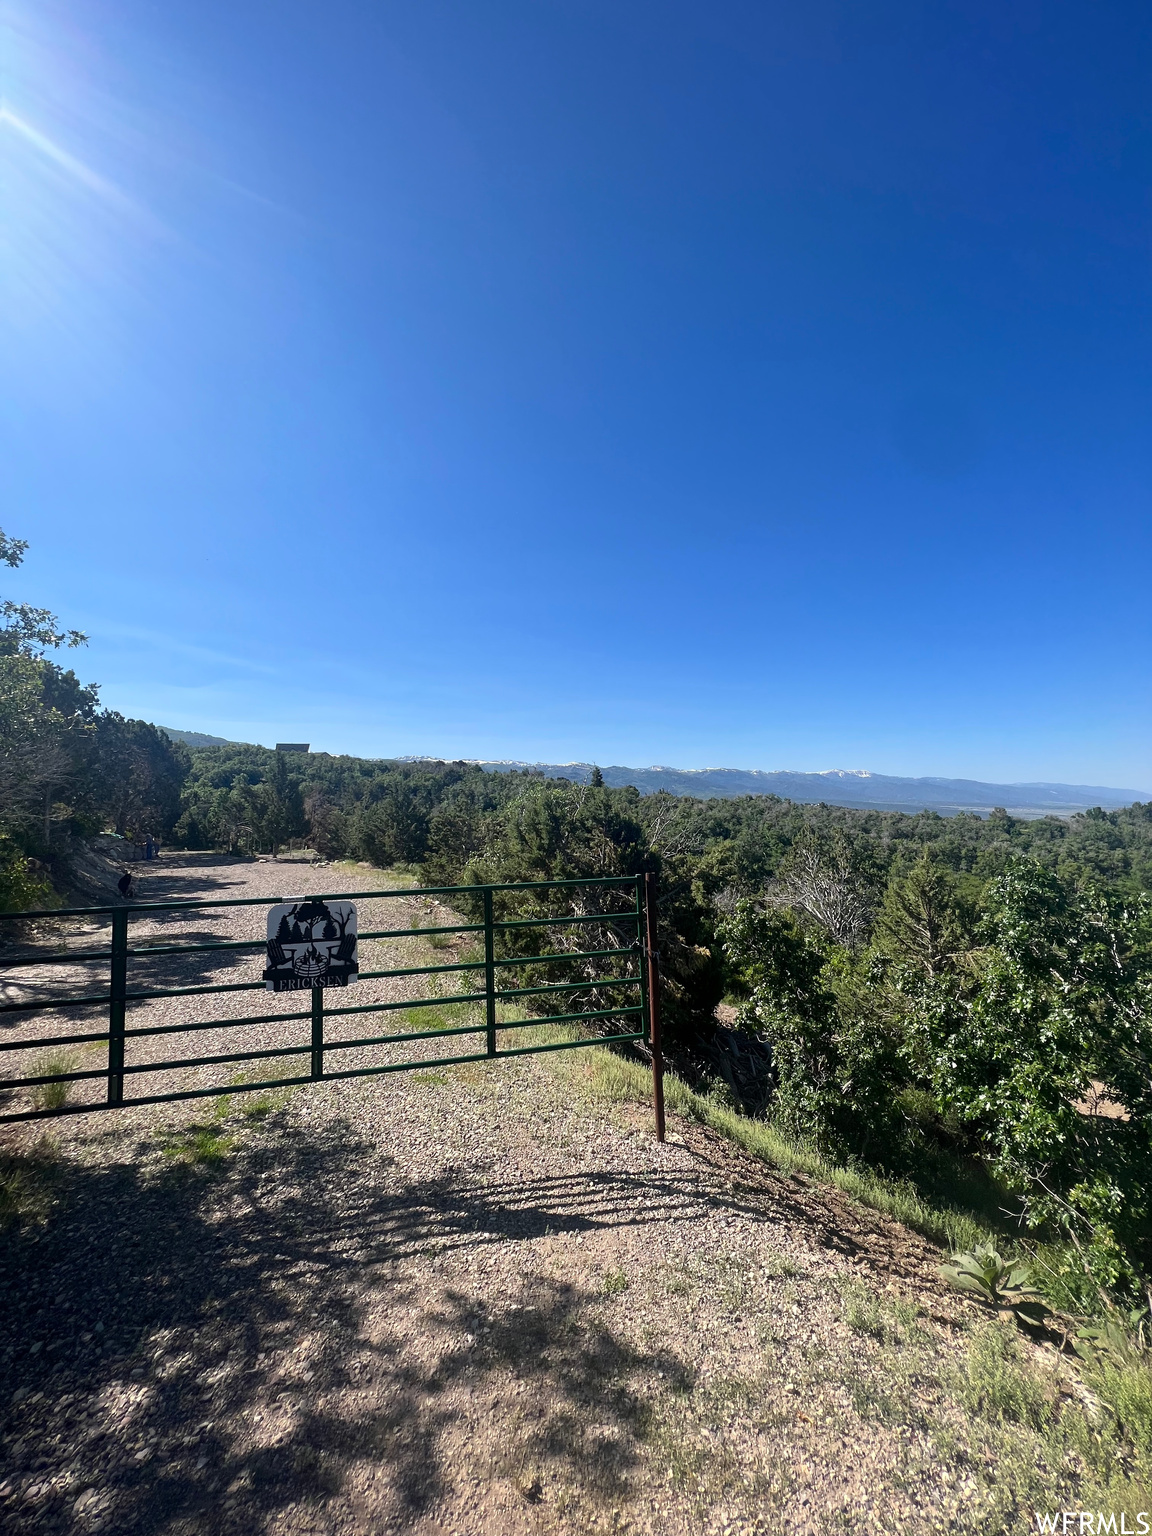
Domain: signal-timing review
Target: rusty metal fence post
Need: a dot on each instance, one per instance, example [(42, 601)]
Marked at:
[(652, 955)]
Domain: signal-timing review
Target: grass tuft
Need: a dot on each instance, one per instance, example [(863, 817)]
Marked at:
[(1123, 1380), (53, 1095), (995, 1383), (205, 1143), (27, 1179), (265, 1104)]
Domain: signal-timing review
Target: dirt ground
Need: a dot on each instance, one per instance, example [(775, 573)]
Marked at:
[(478, 1299)]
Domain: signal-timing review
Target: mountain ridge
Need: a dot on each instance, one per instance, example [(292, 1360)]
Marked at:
[(859, 788)]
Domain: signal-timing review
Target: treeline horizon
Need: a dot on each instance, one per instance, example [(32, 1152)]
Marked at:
[(949, 999), (405, 811)]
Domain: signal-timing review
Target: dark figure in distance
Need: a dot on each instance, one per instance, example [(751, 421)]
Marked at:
[(124, 886)]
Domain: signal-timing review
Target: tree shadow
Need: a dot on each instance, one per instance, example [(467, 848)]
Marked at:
[(186, 1350), (43, 950)]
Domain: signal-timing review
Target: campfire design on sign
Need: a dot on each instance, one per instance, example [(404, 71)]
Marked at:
[(311, 944)]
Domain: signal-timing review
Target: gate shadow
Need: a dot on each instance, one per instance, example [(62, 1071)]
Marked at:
[(187, 1350)]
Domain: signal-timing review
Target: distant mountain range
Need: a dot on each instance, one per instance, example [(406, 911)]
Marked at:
[(835, 786), (853, 787)]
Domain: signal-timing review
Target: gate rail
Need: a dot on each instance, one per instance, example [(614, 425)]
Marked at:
[(642, 1013)]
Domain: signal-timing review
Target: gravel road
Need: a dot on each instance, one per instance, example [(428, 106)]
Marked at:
[(216, 877), (477, 1299)]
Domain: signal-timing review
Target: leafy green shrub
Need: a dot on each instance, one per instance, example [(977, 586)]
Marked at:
[(838, 1069), (22, 887), (1001, 1283), (1055, 1010)]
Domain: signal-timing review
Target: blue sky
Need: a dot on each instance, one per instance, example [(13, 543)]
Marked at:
[(759, 385)]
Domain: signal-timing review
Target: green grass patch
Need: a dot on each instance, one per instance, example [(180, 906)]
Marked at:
[(270, 1102), (440, 1016), (205, 1143), (28, 1178), (865, 1313), (995, 1382), (198, 1146)]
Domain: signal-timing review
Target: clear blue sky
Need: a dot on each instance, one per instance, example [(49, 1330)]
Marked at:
[(752, 384)]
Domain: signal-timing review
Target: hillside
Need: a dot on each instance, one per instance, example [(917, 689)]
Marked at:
[(196, 738), (855, 788)]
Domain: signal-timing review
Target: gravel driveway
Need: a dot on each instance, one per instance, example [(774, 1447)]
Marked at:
[(465, 1300)]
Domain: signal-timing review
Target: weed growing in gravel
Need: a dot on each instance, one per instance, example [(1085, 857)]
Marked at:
[(442, 1016), (691, 1439), (204, 1143), (53, 1095), (781, 1268), (888, 1321), (199, 1144), (614, 1281), (430, 1079), (873, 1396), (26, 1180), (265, 1104), (433, 920), (1125, 1384), (995, 1383), (734, 1281), (863, 1314)]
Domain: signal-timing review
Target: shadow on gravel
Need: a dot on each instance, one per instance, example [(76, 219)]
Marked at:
[(29, 972), (188, 1350)]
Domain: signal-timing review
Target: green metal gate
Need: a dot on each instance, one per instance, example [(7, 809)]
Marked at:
[(627, 944)]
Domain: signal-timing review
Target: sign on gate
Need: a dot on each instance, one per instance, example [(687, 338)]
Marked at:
[(492, 1009), (311, 944)]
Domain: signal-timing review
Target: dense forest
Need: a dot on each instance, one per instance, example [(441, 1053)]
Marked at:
[(921, 988), (917, 989)]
